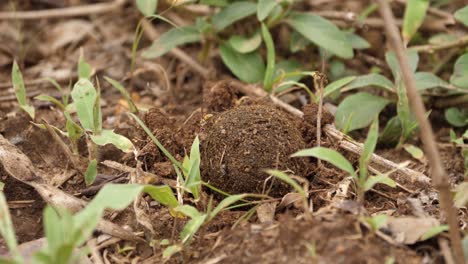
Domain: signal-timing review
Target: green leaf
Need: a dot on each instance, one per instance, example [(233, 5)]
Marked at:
[(193, 225), (282, 69), (328, 155), (84, 96), (337, 85), (460, 72), (372, 79), (357, 42), (284, 177), (84, 69), (162, 194), (193, 181), (226, 202), (171, 250), (270, 67), (7, 230), (124, 93), (74, 131), (382, 178), (232, 13), (322, 32), (110, 137), (247, 67), (428, 80), (264, 8), (414, 151), (457, 117), (462, 15), (245, 45), (297, 42), (392, 61), (441, 38), (392, 131), (376, 221), (48, 98), (172, 39), (147, 7), (369, 148), (20, 90), (413, 18), (358, 110), (434, 231), (91, 172)]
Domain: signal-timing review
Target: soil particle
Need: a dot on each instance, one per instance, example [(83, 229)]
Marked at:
[(244, 141), (219, 96), (309, 123)]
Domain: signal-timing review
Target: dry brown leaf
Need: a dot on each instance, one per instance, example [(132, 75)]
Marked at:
[(408, 230)]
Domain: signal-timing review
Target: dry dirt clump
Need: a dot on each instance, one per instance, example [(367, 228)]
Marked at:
[(242, 142)]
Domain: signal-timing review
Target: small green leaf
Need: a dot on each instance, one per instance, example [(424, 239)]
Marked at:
[(124, 93), (110, 137), (392, 61), (84, 69), (460, 72), (20, 90), (322, 33), (358, 110), (84, 96), (264, 8), (245, 45), (284, 72), (337, 85), (147, 7), (382, 178), (172, 39), (428, 80), (414, 151), (226, 202), (457, 117), (369, 148), (91, 172), (392, 131), (162, 194), (413, 18), (247, 67), (462, 15), (171, 250), (193, 180), (7, 230), (232, 13), (357, 42), (372, 79), (328, 155), (376, 221), (270, 67), (194, 224), (284, 177), (434, 231), (48, 98)]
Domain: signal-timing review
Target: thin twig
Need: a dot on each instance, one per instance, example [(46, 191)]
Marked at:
[(439, 176), (84, 10), (463, 41), (152, 34)]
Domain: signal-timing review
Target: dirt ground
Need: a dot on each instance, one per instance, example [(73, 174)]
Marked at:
[(241, 134)]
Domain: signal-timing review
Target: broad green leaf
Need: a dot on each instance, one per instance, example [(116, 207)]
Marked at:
[(84, 96), (337, 85), (20, 90), (84, 69), (232, 13), (264, 8), (413, 18), (457, 117), (297, 42), (247, 67), (369, 148), (434, 231), (284, 177), (162, 194), (357, 42), (147, 7), (428, 80), (270, 67), (382, 178), (124, 93), (220, 3), (462, 15), (110, 137), (7, 230), (461, 195), (392, 61), (358, 110), (91, 172), (172, 39), (328, 155), (245, 45), (321, 32), (460, 72), (226, 202), (156, 141), (371, 79)]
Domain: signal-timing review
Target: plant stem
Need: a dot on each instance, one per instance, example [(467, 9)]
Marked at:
[(439, 176)]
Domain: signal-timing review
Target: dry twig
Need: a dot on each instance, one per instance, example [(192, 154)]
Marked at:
[(439, 176)]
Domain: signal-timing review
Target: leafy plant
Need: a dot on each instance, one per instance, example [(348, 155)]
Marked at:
[(363, 180), (20, 90)]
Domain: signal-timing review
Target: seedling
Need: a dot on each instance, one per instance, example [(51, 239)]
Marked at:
[(364, 181), (20, 90)]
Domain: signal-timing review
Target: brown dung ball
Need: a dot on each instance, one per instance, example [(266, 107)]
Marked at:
[(244, 141)]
